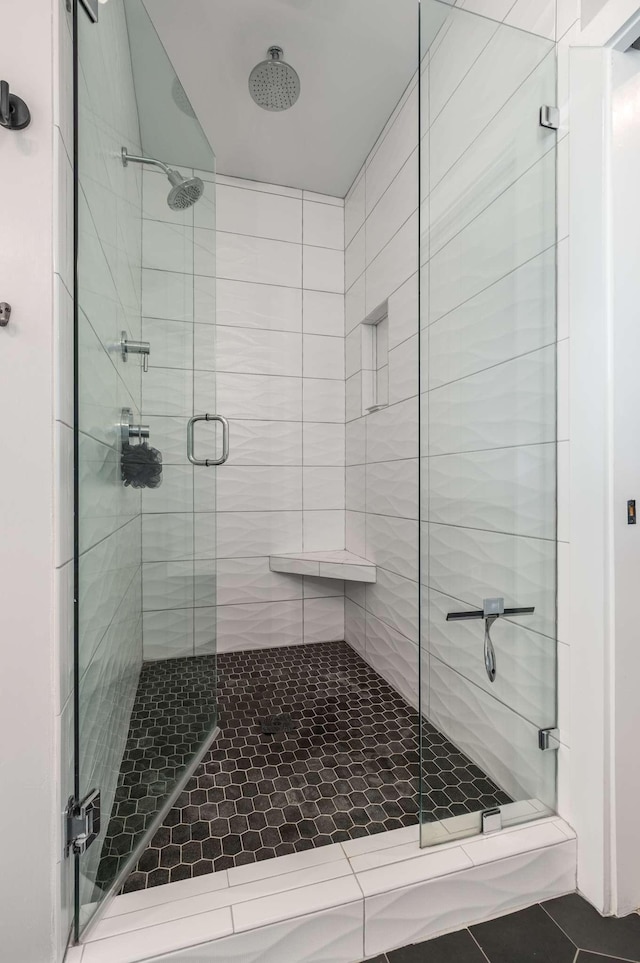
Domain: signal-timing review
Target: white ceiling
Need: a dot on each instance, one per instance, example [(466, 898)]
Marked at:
[(354, 58)]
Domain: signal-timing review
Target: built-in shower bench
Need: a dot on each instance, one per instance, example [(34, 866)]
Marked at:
[(338, 564)]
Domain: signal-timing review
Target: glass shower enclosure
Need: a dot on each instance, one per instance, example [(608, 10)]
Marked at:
[(146, 640), (488, 422), (446, 355)]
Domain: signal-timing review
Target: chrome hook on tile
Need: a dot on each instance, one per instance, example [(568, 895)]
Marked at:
[(5, 313), (128, 347), (128, 430)]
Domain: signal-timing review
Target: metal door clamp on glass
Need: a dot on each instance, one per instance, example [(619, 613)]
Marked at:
[(492, 610)]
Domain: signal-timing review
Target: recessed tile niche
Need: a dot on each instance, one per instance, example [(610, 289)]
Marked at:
[(375, 359)]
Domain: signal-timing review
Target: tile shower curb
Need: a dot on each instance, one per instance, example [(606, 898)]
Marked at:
[(344, 902)]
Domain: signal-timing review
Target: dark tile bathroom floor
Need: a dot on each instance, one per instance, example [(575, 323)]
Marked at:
[(347, 768), (172, 713), (563, 930)]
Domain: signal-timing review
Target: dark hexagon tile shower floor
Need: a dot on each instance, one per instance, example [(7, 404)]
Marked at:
[(350, 767)]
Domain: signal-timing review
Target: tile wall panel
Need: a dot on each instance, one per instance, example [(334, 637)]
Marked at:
[(382, 446)]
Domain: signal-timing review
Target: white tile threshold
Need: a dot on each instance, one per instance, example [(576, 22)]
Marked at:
[(336, 564), (337, 904)]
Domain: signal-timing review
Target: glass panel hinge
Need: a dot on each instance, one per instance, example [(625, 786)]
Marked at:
[(82, 823), (491, 821), (548, 739), (549, 117)]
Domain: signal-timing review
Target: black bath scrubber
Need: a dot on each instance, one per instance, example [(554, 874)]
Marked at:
[(141, 466)]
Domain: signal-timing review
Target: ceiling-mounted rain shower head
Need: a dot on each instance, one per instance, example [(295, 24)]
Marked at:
[(273, 84), (180, 98), (185, 191)]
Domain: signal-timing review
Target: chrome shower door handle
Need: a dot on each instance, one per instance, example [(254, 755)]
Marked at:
[(208, 462)]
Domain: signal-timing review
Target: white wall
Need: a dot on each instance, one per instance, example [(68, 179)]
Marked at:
[(35, 503), (625, 186)]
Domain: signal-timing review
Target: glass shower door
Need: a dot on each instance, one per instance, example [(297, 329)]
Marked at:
[(146, 585), (488, 424)]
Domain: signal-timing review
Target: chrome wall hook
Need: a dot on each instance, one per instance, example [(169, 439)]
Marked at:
[(14, 113), (5, 313), (128, 430), (128, 347)]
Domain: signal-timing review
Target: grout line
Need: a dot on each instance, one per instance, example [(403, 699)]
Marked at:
[(468, 930), (110, 534), (389, 125), (489, 531), (472, 451), (471, 65), (540, 160), (543, 907), (605, 956), (550, 52), (495, 699), (367, 217), (264, 284), (456, 307), (369, 265)]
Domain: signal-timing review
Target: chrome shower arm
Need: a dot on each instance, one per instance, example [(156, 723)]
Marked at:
[(128, 158)]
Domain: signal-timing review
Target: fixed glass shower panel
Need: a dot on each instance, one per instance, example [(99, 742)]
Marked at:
[(488, 424), (146, 641)]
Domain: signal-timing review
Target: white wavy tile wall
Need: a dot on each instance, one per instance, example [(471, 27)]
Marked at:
[(109, 300), (258, 337), (488, 434), (381, 258), (178, 568)]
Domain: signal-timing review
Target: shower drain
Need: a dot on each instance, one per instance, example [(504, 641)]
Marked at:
[(271, 725)]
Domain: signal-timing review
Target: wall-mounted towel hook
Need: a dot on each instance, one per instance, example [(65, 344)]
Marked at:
[(127, 347), (128, 430), (14, 113)]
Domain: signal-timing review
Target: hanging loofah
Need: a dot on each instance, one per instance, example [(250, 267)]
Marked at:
[(141, 466)]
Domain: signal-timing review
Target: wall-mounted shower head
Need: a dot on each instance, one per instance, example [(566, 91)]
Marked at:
[(273, 84), (185, 191)]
